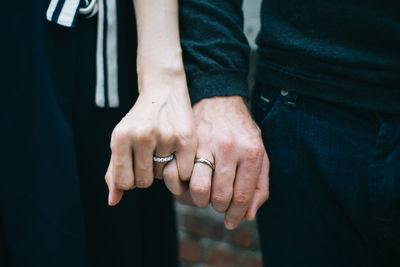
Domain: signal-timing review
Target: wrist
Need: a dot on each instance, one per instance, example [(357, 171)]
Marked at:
[(160, 62), (222, 104), (163, 82), (231, 100), (160, 71)]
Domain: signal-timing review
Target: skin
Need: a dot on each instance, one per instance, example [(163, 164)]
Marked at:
[(162, 122), (229, 137)]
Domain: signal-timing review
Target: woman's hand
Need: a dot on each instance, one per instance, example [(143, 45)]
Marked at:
[(160, 123)]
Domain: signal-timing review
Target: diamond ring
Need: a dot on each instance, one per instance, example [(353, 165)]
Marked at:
[(163, 159)]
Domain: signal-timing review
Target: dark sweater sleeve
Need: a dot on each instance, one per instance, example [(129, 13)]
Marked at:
[(215, 49)]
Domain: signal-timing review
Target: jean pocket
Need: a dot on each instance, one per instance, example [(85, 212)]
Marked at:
[(265, 104)]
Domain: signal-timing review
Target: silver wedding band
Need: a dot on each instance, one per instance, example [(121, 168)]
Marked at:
[(205, 161), (163, 159)]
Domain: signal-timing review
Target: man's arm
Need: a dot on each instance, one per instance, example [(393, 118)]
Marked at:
[(216, 56), (215, 49)]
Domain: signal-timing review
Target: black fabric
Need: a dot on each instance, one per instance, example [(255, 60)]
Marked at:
[(334, 187), (53, 198), (215, 50), (345, 52), (144, 221), (39, 188), (5, 259)]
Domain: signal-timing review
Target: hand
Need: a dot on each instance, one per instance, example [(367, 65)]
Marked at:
[(231, 139), (160, 123)]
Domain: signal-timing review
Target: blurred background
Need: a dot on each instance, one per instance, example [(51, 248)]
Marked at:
[(204, 241)]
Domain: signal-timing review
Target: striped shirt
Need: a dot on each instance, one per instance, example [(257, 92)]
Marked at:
[(65, 12)]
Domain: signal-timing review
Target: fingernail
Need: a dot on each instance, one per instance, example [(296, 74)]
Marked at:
[(109, 199), (229, 226)]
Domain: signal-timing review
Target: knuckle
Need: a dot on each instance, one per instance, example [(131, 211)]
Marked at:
[(119, 136), (199, 189), (253, 150), (166, 137), (241, 198), (225, 172), (124, 185), (226, 143), (144, 134), (114, 133), (121, 132), (107, 177), (144, 183), (220, 197)]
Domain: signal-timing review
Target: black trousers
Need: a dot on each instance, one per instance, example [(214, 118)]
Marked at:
[(334, 182), (53, 198)]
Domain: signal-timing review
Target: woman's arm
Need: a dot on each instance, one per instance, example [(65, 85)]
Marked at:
[(161, 121), (159, 50)]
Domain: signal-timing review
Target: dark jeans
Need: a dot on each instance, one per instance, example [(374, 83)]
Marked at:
[(334, 182)]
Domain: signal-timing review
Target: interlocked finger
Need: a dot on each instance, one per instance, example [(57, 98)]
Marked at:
[(171, 179)]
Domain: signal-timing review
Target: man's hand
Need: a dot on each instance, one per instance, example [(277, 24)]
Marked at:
[(230, 138)]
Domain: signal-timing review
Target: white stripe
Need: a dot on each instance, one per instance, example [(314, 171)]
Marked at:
[(112, 53), (100, 101), (51, 9), (68, 12)]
